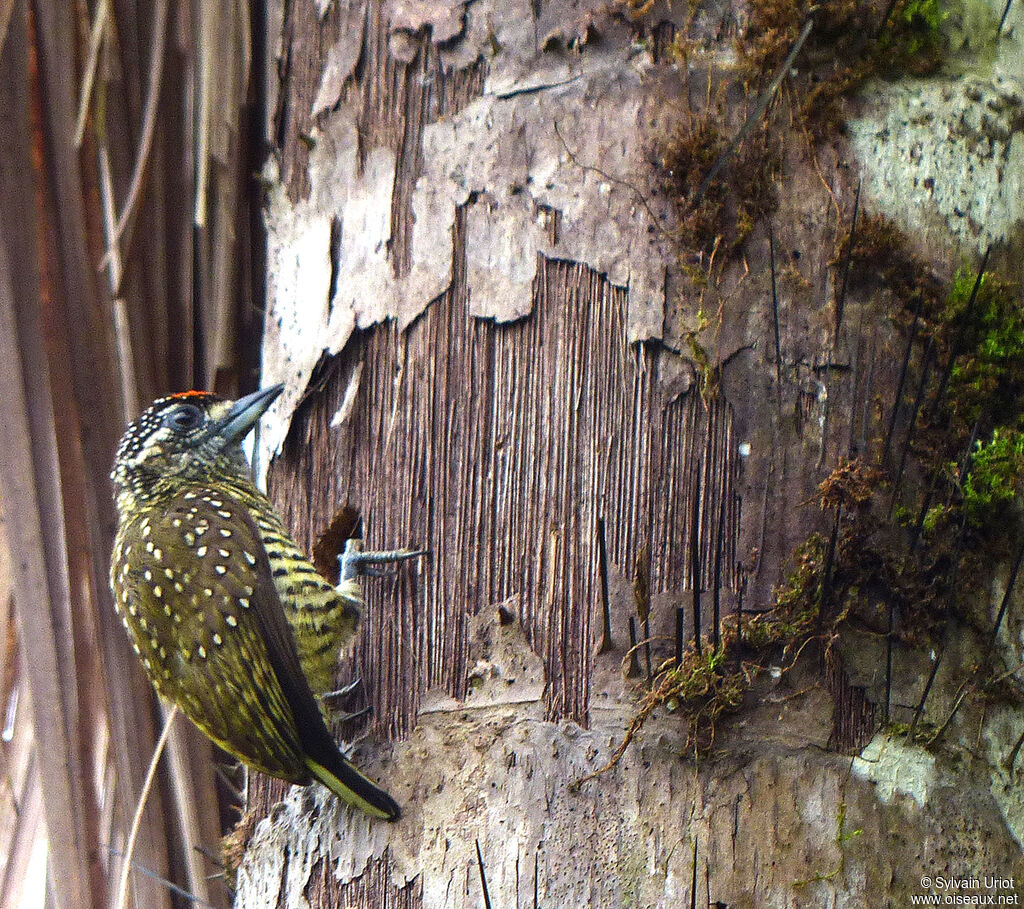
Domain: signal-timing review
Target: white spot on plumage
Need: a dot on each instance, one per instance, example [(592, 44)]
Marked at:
[(176, 522), (217, 639), (157, 591), (158, 553), (167, 610), (231, 620), (202, 651), (244, 603), (149, 545), (224, 553), (224, 514), (189, 495), (224, 532), (148, 575), (220, 569), (250, 558), (135, 647), (216, 503), (201, 529), (207, 592), (178, 587), (201, 551), (132, 611), (169, 574), (146, 530), (190, 539)]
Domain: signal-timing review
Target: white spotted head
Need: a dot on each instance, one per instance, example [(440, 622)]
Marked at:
[(193, 435)]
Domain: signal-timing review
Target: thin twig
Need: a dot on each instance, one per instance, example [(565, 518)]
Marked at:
[(888, 658), (99, 27), (133, 832), (966, 687), (170, 885), (898, 398), (739, 619), (755, 115), (1012, 756), (954, 351), (1010, 584), (825, 589), (695, 579), (846, 265), (633, 666), (483, 876), (156, 71), (926, 368), (775, 316), (950, 597), (606, 613), (1002, 19), (693, 877), (611, 178), (716, 595)]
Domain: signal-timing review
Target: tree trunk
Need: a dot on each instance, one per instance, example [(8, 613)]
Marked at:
[(494, 346)]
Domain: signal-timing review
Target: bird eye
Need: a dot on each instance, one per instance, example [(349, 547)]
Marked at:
[(184, 418)]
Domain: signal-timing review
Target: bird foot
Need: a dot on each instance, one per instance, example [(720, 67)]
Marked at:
[(355, 562), (344, 716), (339, 700)]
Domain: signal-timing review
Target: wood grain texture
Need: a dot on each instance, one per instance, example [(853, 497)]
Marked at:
[(497, 447)]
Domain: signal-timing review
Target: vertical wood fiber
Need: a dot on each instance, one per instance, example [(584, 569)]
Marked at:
[(373, 888), (498, 447)]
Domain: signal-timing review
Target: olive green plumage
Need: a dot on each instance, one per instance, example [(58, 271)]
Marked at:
[(229, 618)]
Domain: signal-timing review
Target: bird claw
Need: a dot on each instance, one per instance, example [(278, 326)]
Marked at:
[(344, 716), (333, 700), (355, 562)]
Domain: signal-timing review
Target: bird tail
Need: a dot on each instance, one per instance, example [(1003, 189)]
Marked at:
[(346, 782)]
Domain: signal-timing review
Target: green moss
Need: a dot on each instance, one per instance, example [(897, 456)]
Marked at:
[(988, 376), (995, 479)]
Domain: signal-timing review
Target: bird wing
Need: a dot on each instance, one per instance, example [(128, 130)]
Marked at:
[(232, 592), (189, 585), (323, 758)]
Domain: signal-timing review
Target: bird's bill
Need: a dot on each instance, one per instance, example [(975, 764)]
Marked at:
[(244, 413)]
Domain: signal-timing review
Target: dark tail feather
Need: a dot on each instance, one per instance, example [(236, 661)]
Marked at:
[(349, 784)]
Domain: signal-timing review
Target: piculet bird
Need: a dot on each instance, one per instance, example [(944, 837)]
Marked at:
[(229, 618)]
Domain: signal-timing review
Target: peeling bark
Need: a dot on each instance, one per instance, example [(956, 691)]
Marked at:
[(477, 309)]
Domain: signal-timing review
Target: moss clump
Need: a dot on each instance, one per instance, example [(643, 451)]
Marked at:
[(995, 479), (988, 376), (699, 689), (881, 257), (850, 43), (741, 193)]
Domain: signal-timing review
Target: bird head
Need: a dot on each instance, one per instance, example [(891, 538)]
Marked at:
[(190, 436)]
